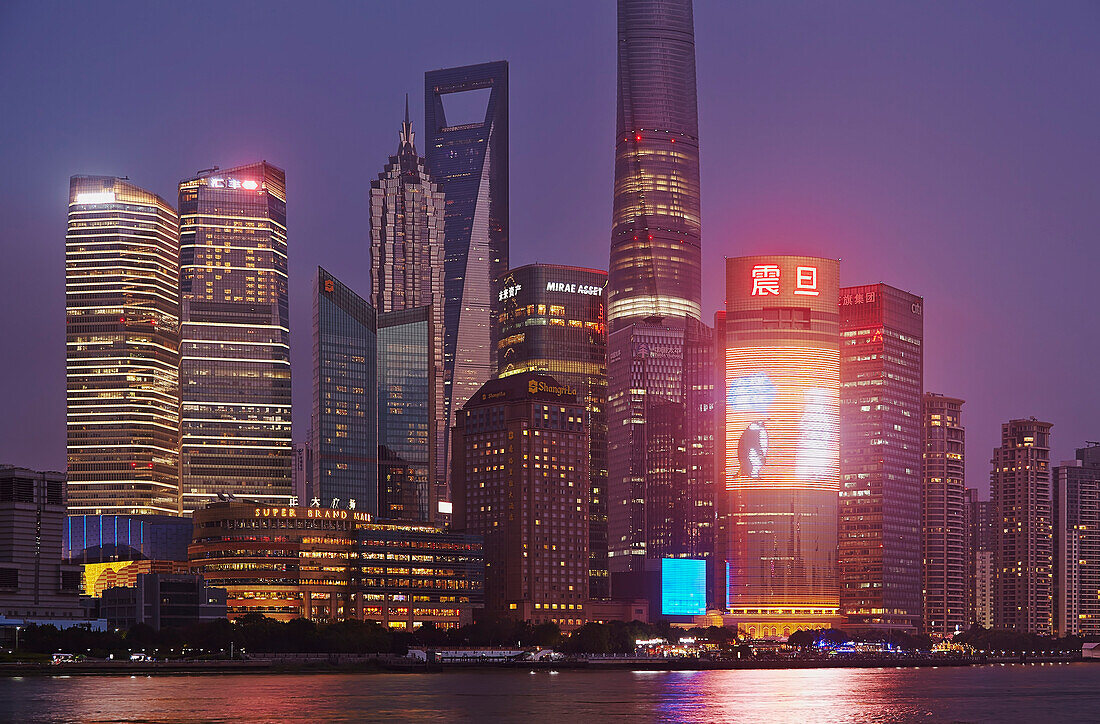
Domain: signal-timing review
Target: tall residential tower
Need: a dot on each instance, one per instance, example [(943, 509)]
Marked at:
[(235, 338), (943, 518), (121, 348), (1023, 548)]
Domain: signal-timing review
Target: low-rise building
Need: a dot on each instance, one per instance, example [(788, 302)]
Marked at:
[(329, 564), (163, 601)]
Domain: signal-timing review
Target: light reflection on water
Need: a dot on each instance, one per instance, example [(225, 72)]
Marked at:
[(991, 693)]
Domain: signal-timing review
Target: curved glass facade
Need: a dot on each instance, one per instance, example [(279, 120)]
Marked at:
[(655, 242), (122, 349), (781, 430)]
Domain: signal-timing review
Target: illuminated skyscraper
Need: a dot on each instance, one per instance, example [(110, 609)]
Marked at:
[(1022, 535), (520, 476), (406, 252), (122, 348), (781, 463), (345, 402), (1077, 544), (552, 320), (943, 518), (881, 445), (469, 158), (235, 346), (660, 355), (655, 250)]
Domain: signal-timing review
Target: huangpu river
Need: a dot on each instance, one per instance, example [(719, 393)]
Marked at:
[(1043, 693)]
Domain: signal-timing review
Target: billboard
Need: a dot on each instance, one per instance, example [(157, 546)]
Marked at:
[(683, 587), (782, 418)]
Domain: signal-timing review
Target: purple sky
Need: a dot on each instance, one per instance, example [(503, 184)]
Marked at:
[(950, 149)]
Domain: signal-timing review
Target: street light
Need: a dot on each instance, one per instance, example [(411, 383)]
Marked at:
[(17, 637)]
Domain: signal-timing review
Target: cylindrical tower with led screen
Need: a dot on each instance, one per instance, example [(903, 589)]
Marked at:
[(782, 443)]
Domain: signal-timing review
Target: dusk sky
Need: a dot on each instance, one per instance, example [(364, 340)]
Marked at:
[(950, 149)]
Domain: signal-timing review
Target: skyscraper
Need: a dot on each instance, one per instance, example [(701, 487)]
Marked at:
[(406, 414), (122, 348), (468, 156), (660, 355), (943, 517), (552, 319), (345, 397), (979, 557), (235, 338), (406, 252), (1023, 547), (1077, 544), (881, 445), (780, 410), (655, 239), (520, 476)]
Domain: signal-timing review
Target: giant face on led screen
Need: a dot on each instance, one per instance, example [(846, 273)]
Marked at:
[(782, 413)]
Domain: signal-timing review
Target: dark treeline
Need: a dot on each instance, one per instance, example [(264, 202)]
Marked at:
[(256, 634)]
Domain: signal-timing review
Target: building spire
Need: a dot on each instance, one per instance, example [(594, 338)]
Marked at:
[(407, 134)]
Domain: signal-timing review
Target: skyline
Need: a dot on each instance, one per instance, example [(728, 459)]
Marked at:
[(756, 176)]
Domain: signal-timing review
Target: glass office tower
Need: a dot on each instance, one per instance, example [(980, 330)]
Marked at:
[(881, 384), (406, 254), (552, 319), (469, 158), (655, 241), (235, 339), (121, 348), (345, 402), (406, 414), (781, 457)]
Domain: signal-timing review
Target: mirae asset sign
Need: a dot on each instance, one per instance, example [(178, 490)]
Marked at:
[(574, 288)]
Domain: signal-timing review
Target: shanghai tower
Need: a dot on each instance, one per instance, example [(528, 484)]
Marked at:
[(655, 228), (660, 354)]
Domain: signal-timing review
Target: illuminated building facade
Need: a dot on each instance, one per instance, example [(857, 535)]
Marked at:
[(781, 448), (328, 564), (881, 445), (122, 317), (1022, 532), (943, 518), (655, 241), (469, 158), (345, 396), (99, 538), (520, 478), (407, 414), (1077, 544), (552, 320), (660, 450), (406, 252), (979, 557), (235, 348)]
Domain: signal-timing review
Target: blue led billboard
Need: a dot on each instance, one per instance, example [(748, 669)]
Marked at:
[(683, 587)]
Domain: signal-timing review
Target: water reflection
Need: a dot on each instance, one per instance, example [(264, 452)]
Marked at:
[(994, 693)]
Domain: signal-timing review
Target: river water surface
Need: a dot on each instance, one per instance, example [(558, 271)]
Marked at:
[(1011, 693)]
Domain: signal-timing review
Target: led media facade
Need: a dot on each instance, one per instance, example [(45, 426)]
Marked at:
[(683, 587), (782, 440)]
